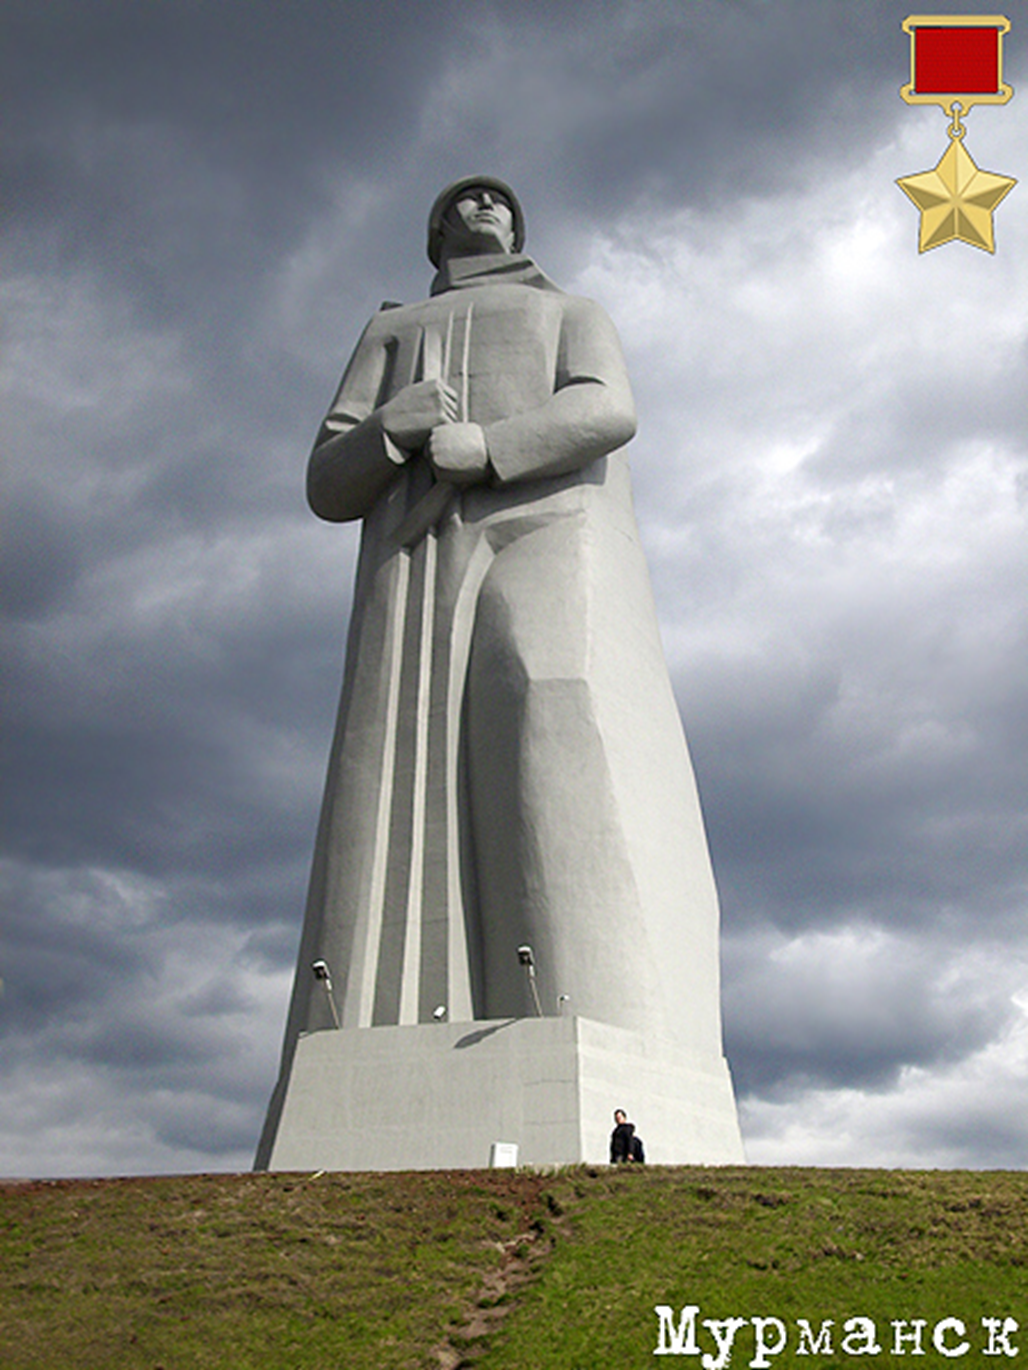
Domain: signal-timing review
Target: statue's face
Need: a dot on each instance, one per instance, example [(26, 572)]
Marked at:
[(481, 220)]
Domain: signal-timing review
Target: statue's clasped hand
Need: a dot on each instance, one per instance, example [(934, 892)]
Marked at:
[(412, 414), (424, 416), (458, 453)]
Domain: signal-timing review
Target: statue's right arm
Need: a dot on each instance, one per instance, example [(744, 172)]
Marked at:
[(364, 443), (354, 460)]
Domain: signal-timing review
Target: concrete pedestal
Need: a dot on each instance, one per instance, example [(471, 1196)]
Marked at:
[(437, 1096)]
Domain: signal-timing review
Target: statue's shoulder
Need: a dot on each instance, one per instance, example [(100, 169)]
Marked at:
[(583, 312), (391, 311), (582, 304), (391, 317)]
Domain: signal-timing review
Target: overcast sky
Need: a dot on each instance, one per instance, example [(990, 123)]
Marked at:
[(204, 202)]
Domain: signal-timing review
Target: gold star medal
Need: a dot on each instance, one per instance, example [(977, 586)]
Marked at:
[(956, 61)]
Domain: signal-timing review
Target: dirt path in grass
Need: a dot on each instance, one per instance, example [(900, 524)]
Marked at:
[(522, 1258)]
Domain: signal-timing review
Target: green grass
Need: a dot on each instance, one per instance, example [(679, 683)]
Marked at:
[(247, 1271), (351, 1271), (793, 1243)]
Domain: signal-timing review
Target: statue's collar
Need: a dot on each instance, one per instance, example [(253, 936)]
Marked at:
[(490, 268)]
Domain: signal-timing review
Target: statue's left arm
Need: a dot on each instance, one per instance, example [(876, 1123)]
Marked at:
[(590, 413)]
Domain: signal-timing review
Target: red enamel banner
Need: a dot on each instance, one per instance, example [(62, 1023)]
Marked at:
[(952, 59)]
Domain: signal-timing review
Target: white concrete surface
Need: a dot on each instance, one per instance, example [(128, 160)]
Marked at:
[(438, 1096)]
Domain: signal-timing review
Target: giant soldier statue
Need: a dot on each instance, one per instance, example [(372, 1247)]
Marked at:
[(508, 769)]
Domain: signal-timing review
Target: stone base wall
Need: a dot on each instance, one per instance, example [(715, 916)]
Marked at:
[(437, 1096)]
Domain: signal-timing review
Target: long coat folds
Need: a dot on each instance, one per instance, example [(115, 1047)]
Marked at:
[(508, 765)]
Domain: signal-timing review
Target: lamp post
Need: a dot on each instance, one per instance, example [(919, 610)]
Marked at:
[(321, 972), (527, 958)]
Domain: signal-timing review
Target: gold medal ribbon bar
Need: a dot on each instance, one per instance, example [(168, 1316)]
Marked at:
[(956, 58)]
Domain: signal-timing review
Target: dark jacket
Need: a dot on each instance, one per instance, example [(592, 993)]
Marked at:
[(621, 1143)]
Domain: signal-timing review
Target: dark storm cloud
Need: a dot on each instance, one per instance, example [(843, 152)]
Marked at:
[(687, 103), (130, 1039), (46, 973), (248, 99), (39, 562), (814, 818), (202, 137), (855, 1007)]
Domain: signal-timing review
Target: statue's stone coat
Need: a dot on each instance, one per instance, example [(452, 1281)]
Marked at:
[(508, 764)]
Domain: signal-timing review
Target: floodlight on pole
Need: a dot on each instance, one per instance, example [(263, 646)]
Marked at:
[(527, 958), (321, 972)]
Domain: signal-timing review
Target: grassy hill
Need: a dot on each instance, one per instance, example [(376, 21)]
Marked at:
[(514, 1271)]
